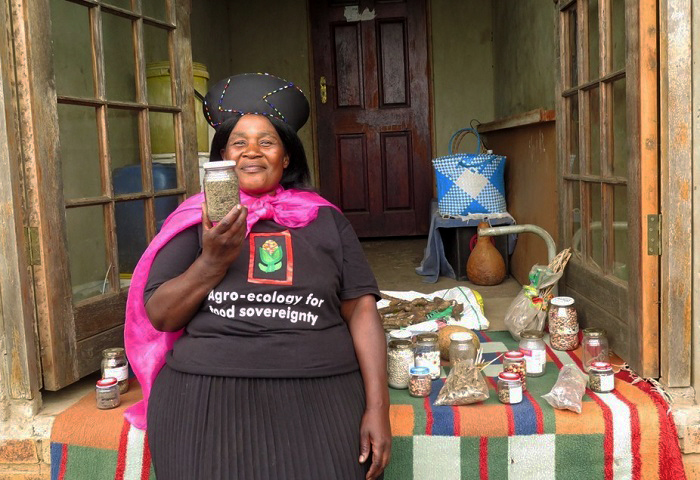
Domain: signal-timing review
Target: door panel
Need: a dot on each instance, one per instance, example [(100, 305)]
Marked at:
[(373, 127)]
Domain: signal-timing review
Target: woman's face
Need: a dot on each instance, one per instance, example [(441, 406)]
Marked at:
[(259, 154)]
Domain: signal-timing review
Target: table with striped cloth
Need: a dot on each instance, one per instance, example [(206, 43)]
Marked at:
[(626, 434)]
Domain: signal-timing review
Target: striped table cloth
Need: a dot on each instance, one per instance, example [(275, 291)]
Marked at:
[(625, 434)]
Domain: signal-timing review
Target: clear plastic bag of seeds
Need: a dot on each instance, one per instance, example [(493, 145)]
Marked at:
[(528, 311), (464, 385), (567, 392)]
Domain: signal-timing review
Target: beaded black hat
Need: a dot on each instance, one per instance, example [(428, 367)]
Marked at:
[(259, 93)]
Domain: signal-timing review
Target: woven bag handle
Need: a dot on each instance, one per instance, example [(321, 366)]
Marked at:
[(457, 137)]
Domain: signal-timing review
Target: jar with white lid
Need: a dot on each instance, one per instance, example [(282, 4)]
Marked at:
[(534, 349), (563, 323), (399, 363), (220, 188)]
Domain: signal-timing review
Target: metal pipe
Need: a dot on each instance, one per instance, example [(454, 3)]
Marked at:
[(511, 229)]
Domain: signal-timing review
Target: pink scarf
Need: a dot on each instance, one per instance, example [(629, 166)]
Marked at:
[(145, 346)]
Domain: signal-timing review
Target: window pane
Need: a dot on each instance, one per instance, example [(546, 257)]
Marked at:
[(573, 166), (596, 247), (72, 57), (125, 4), (155, 9), (594, 123), (572, 47), (593, 39), (119, 57), (131, 233), (619, 128), (123, 131), (80, 155), (157, 66), (618, 35), (164, 176), (87, 251), (162, 126), (575, 216), (620, 232), (164, 207)]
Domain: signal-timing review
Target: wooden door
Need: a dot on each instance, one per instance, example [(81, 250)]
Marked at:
[(371, 80), (607, 126)]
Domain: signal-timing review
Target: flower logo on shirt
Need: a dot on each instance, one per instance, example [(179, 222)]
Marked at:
[(271, 255)]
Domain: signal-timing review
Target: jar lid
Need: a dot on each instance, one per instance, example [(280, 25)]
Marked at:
[(220, 165), (509, 376), (400, 344), (594, 332), (401, 334), (419, 371), (531, 334), (427, 337), (461, 337), (600, 366), (106, 382), (113, 352), (514, 355), (562, 301)]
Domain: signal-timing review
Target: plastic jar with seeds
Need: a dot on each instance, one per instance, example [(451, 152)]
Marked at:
[(601, 378), (107, 393), (427, 353), (509, 388), (420, 383), (114, 364), (514, 362), (399, 363), (533, 347), (595, 347), (563, 323), (220, 188)]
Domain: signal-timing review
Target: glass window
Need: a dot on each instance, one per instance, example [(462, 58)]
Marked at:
[(593, 41), (593, 96), (87, 251), (79, 151), (573, 166), (572, 40), (575, 216), (618, 35), (619, 128), (123, 129), (131, 233), (118, 44), (72, 55), (621, 248), (596, 246), (155, 9)]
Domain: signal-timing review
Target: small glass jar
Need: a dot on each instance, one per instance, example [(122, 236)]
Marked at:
[(510, 389), (427, 353), (462, 348), (595, 347), (114, 364), (107, 393), (399, 363), (532, 346), (419, 385), (514, 362), (220, 188), (563, 323), (601, 378)]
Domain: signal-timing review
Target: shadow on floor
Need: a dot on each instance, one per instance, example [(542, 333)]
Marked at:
[(394, 262)]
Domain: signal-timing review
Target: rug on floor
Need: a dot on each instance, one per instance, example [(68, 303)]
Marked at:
[(626, 434)]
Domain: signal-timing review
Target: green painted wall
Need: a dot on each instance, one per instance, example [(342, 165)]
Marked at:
[(523, 45), (463, 74)]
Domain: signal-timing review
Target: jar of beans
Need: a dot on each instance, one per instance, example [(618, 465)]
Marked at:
[(399, 363), (419, 384), (427, 353), (514, 362), (563, 323), (594, 346), (601, 378), (509, 388), (535, 351)]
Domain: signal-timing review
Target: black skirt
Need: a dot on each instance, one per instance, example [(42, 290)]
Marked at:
[(206, 428)]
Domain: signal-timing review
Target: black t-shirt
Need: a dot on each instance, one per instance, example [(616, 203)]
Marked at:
[(276, 313)]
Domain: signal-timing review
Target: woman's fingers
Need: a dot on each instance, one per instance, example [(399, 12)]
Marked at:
[(229, 219), (205, 218)]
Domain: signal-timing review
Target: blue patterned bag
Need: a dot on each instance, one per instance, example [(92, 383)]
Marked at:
[(470, 182)]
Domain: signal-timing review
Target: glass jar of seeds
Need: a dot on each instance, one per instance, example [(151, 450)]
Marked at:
[(462, 348), (419, 384), (595, 347), (107, 393), (220, 188), (563, 323), (427, 353), (601, 378), (532, 346), (114, 364), (509, 388), (514, 362), (399, 363)]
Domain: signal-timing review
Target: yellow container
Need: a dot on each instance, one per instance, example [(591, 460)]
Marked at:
[(160, 93)]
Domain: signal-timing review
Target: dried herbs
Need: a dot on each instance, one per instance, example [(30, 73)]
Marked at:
[(464, 385)]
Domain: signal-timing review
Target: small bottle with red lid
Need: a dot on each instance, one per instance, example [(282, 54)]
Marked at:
[(510, 389), (107, 393), (514, 362), (601, 378)]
